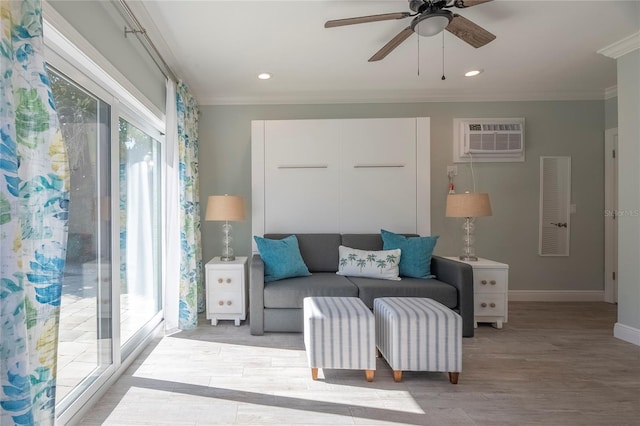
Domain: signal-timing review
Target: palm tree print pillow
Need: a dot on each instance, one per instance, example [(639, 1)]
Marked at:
[(382, 264)]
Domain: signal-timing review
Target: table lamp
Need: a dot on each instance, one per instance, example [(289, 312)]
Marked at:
[(468, 206), (225, 208)]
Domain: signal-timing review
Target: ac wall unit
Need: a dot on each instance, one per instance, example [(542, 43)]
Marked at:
[(488, 139)]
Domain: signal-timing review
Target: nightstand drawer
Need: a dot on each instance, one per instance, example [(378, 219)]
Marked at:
[(489, 305), (225, 303), (489, 281), (222, 279)]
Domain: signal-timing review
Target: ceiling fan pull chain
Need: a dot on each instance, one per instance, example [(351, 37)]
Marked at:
[(443, 77)]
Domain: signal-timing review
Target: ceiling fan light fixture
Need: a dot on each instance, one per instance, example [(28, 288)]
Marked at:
[(432, 23)]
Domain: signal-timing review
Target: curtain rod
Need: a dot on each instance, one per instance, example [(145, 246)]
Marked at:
[(144, 39)]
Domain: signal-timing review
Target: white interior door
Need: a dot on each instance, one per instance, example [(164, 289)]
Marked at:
[(555, 198), (610, 216)]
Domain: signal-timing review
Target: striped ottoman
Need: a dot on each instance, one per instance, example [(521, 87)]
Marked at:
[(339, 332), (418, 334)]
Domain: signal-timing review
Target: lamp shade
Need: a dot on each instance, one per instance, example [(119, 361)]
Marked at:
[(225, 207), (468, 205)]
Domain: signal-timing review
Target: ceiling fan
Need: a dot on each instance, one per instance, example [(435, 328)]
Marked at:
[(430, 17)]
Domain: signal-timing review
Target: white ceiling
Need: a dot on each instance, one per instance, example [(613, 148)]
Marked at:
[(544, 50)]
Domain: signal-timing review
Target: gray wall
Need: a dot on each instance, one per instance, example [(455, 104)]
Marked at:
[(575, 129), (104, 29), (629, 191)]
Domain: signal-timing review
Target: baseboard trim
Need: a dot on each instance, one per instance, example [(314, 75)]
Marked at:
[(626, 333), (556, 295)]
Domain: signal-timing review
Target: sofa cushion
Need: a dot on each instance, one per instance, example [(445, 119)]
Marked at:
[(319, 251), (416, 253), (370, 288), (281, 258), (382, 264), (290, 292)]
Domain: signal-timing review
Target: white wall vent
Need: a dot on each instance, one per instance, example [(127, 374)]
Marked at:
[(488, 139)]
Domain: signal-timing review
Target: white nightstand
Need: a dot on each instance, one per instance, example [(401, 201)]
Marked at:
[(490, 291), (226, 293)]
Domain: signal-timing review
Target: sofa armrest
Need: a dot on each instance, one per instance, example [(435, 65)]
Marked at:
[(459, 275), (256, 295)]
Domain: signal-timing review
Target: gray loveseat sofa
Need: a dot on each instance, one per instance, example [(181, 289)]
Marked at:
[(277, 306)]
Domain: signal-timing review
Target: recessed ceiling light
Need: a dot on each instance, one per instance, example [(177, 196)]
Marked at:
[(264, 76), (472, 73)]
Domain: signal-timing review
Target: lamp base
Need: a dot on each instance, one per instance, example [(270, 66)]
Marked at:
[(469, 258), (227, 251)]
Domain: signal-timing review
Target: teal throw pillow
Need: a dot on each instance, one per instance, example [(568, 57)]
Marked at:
[(416, 252), (282, 258)]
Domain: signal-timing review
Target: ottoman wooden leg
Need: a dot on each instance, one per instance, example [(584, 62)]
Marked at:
[(397, 376), (453, 378), (369, 375), (314, 373)]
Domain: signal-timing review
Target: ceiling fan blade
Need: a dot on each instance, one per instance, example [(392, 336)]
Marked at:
[(392, 44), (365, 19), (469, 32), (461, 4)]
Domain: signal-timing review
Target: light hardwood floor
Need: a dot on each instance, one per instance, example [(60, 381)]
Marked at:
[(551, 364)]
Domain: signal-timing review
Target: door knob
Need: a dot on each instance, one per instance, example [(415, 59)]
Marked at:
[(560, 224)]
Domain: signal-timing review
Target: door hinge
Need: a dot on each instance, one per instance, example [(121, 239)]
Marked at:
[(614, 275), (614, 153)]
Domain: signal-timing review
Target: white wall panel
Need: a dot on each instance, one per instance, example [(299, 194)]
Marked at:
[(357, 175), (378, 178), (301, 176)]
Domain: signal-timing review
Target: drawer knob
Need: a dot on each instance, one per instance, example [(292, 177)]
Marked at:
[(484, 282), (219, 280), (229, 302), (492, 282), (493, 305), (484, 305), (228, 280), (221, 303)]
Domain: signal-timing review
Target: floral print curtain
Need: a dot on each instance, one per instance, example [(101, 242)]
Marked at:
[(191, 286), (34, 181)]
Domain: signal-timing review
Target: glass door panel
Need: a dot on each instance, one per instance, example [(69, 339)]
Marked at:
[(140, 229), (85, 347)]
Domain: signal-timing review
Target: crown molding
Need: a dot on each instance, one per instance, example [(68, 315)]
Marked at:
[(311, 98), (622, 47)]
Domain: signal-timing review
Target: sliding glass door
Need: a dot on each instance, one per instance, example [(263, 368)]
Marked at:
[(111, 296)]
